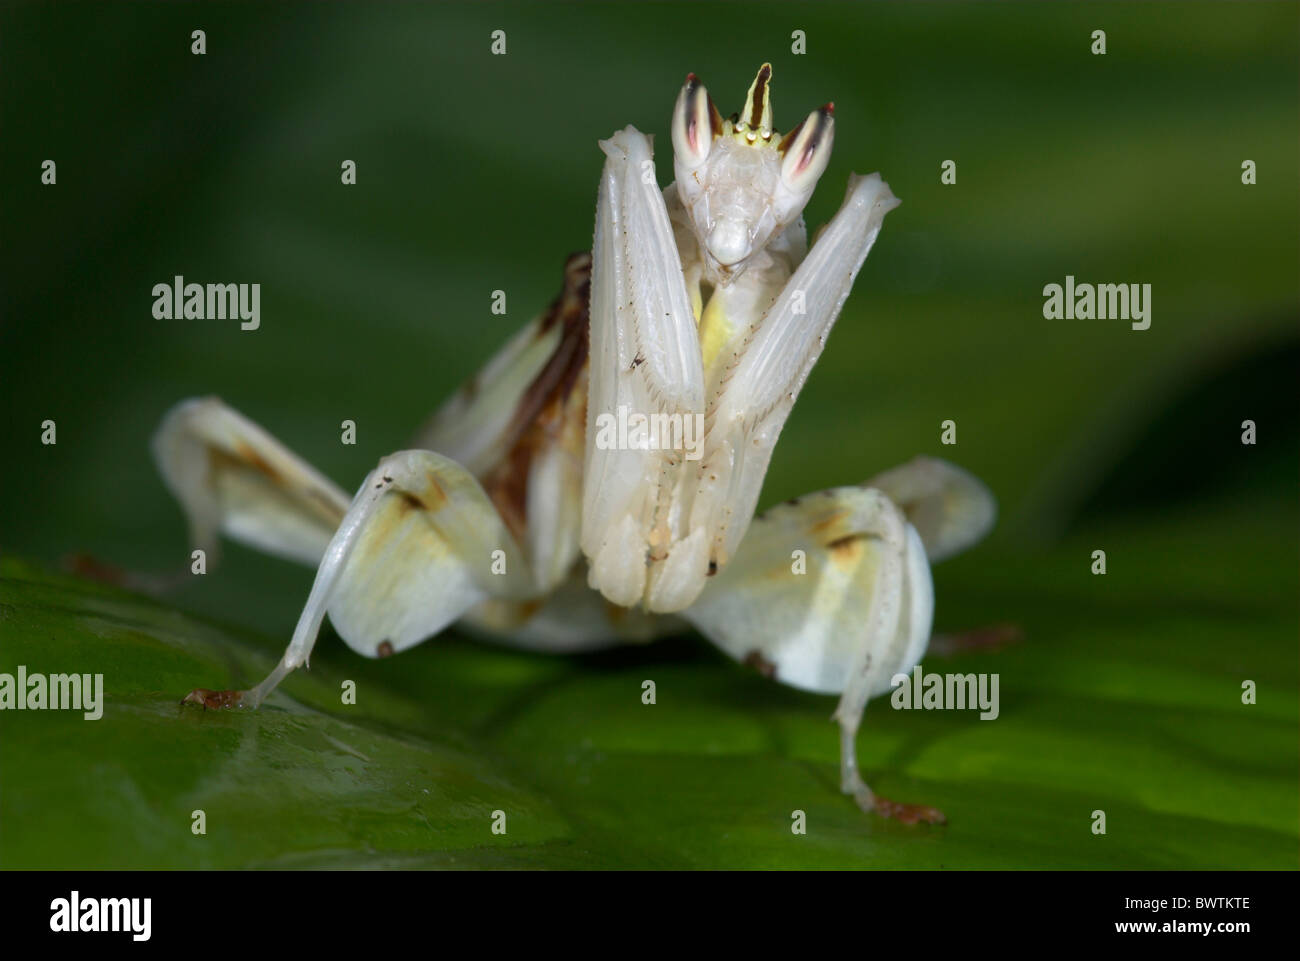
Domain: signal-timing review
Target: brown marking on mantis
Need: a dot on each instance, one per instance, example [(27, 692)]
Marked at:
[(821, 122), (847, 549), (437, 496), (760, 96), (758, 662), (528, 608), (830, 521), (409, 502), (317, 500), (715, 118), (539, 417), (326, 504), (257, 462), (789, 138), (385, 649), (715, 122)]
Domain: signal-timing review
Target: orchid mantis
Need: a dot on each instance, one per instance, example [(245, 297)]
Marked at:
[(513, 515)]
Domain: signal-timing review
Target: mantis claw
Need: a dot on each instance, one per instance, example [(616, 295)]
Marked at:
[(213, 700), (908, 813)]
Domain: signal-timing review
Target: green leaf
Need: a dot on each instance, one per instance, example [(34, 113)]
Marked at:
[(1136, 712)]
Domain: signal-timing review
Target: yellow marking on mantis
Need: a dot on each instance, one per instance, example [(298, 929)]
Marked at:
[(715, 330)]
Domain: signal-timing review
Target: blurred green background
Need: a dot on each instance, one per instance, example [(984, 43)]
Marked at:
[(478, 172)]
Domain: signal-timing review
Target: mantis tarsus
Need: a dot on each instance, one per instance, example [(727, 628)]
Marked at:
[(700, 300)]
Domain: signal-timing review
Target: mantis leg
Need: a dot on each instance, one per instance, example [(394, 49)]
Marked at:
[(645, 363), (657, 525), (232, 477), (772, 361), (418, 546), (828, 593), (950, 508)]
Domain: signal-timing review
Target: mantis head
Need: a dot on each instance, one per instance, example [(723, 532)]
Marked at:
[(740, 181)]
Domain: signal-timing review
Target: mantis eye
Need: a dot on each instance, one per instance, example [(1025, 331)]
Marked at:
[(807, 150), (696, 122)]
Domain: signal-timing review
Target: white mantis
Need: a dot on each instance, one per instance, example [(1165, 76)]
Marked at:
[(701, 300)]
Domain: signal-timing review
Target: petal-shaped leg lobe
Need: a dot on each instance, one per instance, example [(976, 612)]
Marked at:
[(420, 545), (951, 508), (811, 581), (828, 593), (232, 477)]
